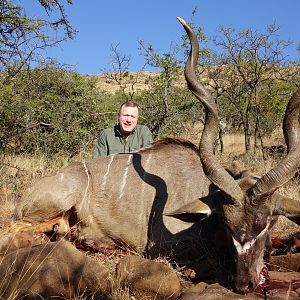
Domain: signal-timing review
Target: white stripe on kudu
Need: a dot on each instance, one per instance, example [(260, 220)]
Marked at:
[(242, 249), (124, 178), (107, 172)]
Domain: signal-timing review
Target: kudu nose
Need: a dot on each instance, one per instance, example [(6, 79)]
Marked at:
[(250, 286)]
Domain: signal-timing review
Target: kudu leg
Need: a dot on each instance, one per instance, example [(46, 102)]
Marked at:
[(22, 234), (58, 226)]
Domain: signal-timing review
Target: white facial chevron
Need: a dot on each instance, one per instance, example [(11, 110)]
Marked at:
[(242, 249)]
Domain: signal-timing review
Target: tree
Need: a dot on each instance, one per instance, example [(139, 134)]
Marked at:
[(119, 73), (51, 110), (167, 105), (21, 36), (244, 68)]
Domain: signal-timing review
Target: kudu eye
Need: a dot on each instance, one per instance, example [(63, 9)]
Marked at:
[(260, 219)]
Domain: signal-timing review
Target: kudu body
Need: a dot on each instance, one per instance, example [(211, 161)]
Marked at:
[(131, 199)]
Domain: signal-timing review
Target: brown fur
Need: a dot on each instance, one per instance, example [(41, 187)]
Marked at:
[(173, 141), (54, 269)]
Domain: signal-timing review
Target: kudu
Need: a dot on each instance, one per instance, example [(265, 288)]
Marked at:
[(131, 199)]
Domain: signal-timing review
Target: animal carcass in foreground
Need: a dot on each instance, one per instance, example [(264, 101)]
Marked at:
[(131, 199)]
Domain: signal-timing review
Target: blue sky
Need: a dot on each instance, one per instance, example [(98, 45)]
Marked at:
[(102, 23)]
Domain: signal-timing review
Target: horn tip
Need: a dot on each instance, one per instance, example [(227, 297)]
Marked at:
[(180, 20)]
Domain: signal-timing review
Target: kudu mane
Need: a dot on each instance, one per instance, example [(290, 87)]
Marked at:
[(159, 144)]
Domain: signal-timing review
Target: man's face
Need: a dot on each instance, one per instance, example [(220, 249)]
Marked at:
[(128, 117)]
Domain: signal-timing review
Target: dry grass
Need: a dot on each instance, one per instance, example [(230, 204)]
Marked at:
[(233, 144), (19, 170), (139, 79)]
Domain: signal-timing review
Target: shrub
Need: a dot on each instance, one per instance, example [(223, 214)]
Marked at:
[(51, 110)]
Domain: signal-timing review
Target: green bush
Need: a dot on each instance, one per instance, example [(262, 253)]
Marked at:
[(50, 110)]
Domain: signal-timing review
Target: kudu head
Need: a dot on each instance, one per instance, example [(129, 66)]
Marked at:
[(249, 203)]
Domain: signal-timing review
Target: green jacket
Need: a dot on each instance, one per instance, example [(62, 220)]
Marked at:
[(111, 141)]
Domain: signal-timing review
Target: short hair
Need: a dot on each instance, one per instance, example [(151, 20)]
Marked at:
[(129, 104)]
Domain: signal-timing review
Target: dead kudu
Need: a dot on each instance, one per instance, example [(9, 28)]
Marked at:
[(153, 199)]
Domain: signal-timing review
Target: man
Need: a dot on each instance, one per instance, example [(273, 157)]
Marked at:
[(126, 136)]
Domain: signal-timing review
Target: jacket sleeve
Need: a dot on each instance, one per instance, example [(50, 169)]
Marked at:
[(147, 137), (101, 145)]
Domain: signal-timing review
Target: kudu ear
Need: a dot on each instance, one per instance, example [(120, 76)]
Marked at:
[(287, 207), (193, 212)]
